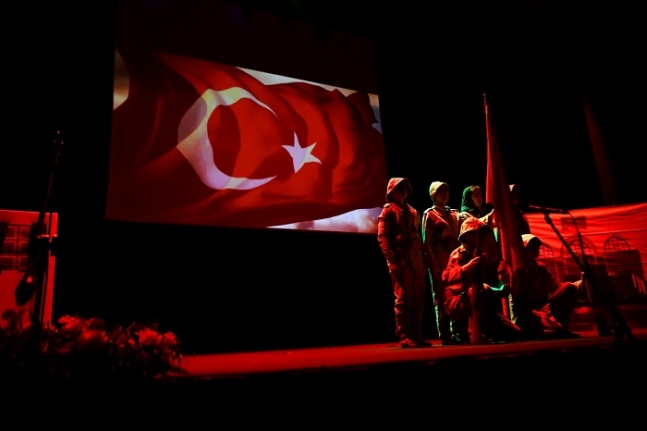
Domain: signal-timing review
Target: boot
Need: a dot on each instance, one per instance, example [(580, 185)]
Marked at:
[(461, 333), (444, 329), (402, 326)]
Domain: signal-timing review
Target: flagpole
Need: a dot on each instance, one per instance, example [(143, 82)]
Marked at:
[(476, 335), (497, 188), (505, 300)]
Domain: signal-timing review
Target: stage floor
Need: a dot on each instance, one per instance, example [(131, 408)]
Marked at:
[(357, 356), (584, 381), (222, 365)]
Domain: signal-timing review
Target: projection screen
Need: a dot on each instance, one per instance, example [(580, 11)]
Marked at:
[(222, 119)]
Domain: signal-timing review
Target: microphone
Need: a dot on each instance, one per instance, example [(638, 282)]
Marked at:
[(547, 209)]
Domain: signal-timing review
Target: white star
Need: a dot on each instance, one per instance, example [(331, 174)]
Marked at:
[(300, 156)]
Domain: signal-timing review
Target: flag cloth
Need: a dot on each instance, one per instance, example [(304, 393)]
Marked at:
[(614, 239), (498, 194), (198, 142)]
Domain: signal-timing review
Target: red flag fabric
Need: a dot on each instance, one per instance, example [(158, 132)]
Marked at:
[(198, 142), (497, 191)]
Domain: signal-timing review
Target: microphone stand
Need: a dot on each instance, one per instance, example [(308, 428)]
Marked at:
[(40, 243), (619, 326)]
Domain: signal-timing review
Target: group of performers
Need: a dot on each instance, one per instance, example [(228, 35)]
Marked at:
[(477, 298)]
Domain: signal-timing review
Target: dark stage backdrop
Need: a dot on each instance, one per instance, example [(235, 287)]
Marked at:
[(243, 289)]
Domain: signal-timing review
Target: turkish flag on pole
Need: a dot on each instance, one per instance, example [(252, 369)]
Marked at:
[(498, 194), (197, 142)]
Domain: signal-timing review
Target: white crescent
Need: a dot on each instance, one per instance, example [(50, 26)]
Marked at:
[(194, 141)]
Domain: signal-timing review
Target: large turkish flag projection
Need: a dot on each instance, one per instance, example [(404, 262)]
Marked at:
[(197, 142)]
